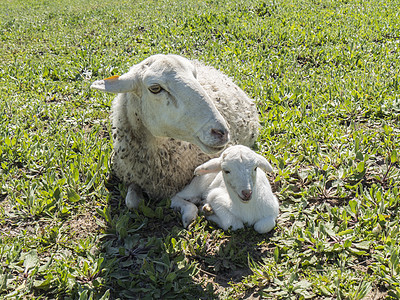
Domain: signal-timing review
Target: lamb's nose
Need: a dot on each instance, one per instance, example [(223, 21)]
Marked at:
[(246, 194), (221, 134)]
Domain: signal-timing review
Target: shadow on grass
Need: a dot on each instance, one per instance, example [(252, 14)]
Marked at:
[(147, 254)]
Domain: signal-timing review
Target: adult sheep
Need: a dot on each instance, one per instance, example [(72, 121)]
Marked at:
[(171, 115)]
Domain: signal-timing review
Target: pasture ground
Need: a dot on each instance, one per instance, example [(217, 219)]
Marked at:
[(325, 76)]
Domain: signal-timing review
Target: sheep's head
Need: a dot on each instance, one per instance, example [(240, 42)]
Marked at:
[(239, 169), (173, 102)]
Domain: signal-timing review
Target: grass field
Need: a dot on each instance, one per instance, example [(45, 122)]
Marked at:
[(325, 76)]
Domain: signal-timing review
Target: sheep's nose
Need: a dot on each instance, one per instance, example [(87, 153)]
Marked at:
[(246, 194), (221, 134)]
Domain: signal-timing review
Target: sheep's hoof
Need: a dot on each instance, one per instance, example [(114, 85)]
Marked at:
[(133, 197), (207, 209)]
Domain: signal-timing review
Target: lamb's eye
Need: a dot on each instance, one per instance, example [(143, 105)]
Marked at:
[(155, 89), (255, 169), (226, 171)]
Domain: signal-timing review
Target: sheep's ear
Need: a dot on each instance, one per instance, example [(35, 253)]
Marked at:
[(212, 166), (116, 84), (263, 164)]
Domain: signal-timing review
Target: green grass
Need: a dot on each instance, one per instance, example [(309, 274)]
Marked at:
[(325, 75)]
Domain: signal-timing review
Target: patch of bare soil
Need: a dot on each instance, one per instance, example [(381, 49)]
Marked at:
[(81, 225), (376, 294)]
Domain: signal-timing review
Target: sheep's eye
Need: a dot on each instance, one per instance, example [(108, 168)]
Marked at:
[(255, 169), (226, 171), (155, 89)]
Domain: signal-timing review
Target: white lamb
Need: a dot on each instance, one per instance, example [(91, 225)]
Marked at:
[(171, 115), (235, 191)]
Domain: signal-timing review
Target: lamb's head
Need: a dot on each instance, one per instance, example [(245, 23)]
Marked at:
[(239, 169), (173, 102)]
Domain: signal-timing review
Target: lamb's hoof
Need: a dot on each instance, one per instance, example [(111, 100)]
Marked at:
[(189, 215), (187, 220), (207, 209)]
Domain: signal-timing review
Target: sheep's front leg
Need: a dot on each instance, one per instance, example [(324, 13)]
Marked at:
[(134, 196), (188, 210), (265, 225)]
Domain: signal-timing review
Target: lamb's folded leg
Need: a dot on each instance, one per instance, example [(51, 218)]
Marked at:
[(188, 210), (265, 225), (222, 216), (134, 196), (186, 199)]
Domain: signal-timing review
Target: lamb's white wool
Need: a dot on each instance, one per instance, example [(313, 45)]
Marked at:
[(235, 191), (171, 115)]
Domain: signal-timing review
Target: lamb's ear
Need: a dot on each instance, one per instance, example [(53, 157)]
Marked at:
[(263, 164), (212, 166), (116, 84)]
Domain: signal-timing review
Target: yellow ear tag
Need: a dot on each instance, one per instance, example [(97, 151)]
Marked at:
[(115, 77)]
